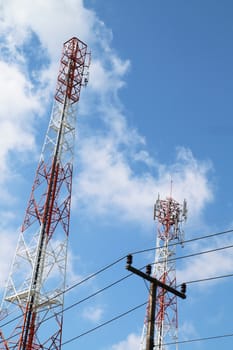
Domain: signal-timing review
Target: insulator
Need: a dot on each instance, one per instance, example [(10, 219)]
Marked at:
[(148, 269), (183, 288), (185, 210), (154, 211), (129, 259)]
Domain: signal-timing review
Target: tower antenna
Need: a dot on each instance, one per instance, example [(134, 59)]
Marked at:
[(36, 284), (169, 215)]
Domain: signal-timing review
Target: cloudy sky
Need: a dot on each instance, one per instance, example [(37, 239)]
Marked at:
[(158, 107)]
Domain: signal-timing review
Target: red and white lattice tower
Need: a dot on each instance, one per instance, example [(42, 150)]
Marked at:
[(32, 307), (169, 215)]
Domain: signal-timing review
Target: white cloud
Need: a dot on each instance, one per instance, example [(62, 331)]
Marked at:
[(131, 343), (26, 83), (187, 331), (191, 180), (144, 157), (108, 180), (71, 275), (93, 314), (18, 106), (212, 264), (108, 79), (17, 98), (117, 173), (68, 18), (109, 171), (110, 160), (7, 248)]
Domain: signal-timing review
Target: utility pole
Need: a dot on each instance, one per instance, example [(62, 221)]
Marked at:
[(154, 283), (151, 316)]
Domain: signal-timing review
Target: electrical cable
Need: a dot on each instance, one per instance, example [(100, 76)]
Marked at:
[(104, 323), (76, 303), (131, 310), (193, 254), (118, 260), (142, 251), (200, 253), (137, 307), (92, 275), (134, 253), (125, 313), (90, 296), (120, 280), (137, 252), (186, 241), (199, 339), (79, 302), (74, 286), (210, 278)]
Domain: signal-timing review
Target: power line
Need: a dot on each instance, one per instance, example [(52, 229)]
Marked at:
[(133, 309), (203, 252), (149, 249), (92, 275), (143, 251), (74, 286), (118, 281), (104, 323), (186, 241), (90, 296), (210, 278), (125, 313), (200, 339), (137, 252), (195, 254), (122, 279)]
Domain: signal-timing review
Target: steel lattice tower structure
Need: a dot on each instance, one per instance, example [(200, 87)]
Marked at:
[(32, 306), (169, 215)]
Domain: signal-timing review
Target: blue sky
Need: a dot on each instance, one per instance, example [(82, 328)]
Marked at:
[(158, 106)]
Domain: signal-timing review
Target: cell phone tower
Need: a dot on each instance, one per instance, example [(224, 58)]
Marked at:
[(32, 307), (169, 215)]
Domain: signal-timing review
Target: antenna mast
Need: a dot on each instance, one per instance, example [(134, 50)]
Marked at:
[(169, 215), (34, 293)]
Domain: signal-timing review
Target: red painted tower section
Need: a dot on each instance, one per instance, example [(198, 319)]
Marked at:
[(32, 307), (169, 215)]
